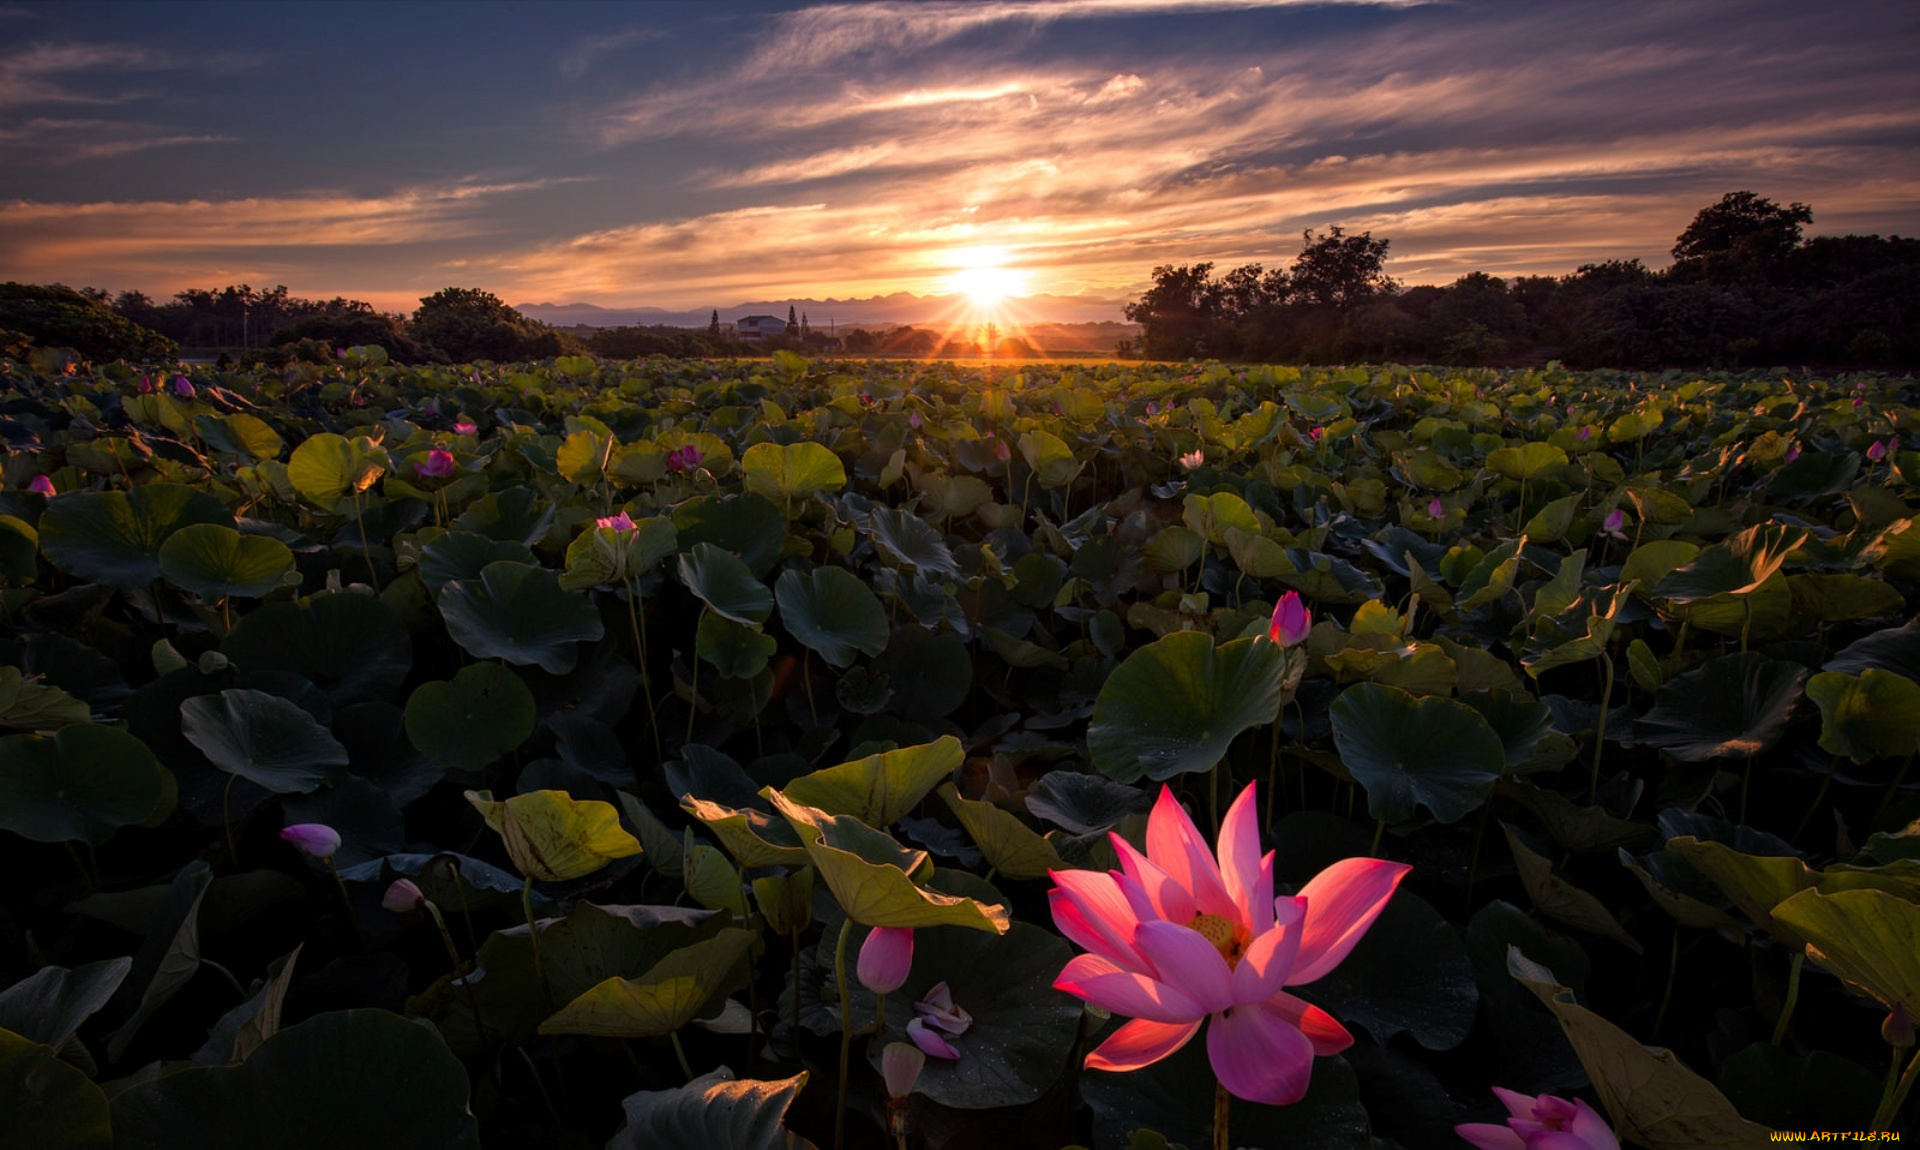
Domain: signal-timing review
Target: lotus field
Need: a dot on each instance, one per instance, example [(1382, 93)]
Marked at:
[(781, 753)]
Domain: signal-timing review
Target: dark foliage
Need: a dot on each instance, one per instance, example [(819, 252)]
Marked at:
[(54, 315)]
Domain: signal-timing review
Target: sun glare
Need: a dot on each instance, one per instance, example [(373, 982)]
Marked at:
[(984, 277)]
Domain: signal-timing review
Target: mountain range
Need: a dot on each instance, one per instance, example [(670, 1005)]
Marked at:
[(898, 308)]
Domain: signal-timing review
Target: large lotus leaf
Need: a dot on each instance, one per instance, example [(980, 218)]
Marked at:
[(1821, 1091), (714, 1111), (1576, 828), (517, 514), (737, 650), (169, 956), (1527, 462), (1814, 474), (1518, 718), (1528, 1049), (239, 434), (349, 1078), (878, 893), (606, 555), (746, 525), (1328, 579), (1559, 899), (1084, 804), (19, 549), (29, 705), (929, 674), (1409, 973), (367, 816), (519, 613), (1895, 649), (1840, 598), (1430, 752), (1214, 515), (1867, 938), (881, 787), (832, 612), (264, 739), (1050, 458), (1174, 1098), (1011, 847), (754, 837), (48, 1105), (81, 784), (1736, 566), (114, 537), (668, 996), (1652, 1099), (725, 584), (786, 472), (583, 457), (1754, 883), (327, 467), (911, 541), (463, 555), (1734, 705), (552, 836), (482, 714), (1875, 713), (354, 647), (49, 1005), (213, 562), (1654, 561), (1175, 705)]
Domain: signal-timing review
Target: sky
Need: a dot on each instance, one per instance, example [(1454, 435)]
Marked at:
[(707, 153)]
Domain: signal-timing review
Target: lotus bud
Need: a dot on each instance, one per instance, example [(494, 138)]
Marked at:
[(1316, 433), (183, 387), (1193, 459), (465, 427), (1897, 1028), (886, 958), (1001, 451), (403, 897), (439, 465), (1793, 453), (41, 485), (914, 421), (1543, 1121), (1291, 620), (1877, 450), (317, 839), (1585, 434), (900, 1065), (1614, 524), (620, 522), (1435, 508)]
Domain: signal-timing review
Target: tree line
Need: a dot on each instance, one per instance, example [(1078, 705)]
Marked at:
[(1746, 288)]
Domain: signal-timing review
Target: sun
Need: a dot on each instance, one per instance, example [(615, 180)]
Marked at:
[(984, 277)]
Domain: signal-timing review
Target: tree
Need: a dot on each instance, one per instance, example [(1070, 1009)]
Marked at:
[(1339, 270), (54, 315), (1744, 232), (467, 323), (1175, 314), (793, 322), (713, 325)]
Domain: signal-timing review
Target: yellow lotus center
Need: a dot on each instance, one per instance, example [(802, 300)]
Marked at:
[(1226, 936)]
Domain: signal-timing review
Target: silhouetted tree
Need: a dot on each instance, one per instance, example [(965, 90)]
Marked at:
[(1339, 270), (1176, 313)]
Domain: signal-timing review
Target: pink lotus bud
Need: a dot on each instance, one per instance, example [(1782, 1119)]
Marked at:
[(1291, 620), (1544, 1122), (41, 484), (1584, 434), (1001, 451), (1613, 524), (439, 465), (146, 384), (914, 421), (465, 427), (620, 522), (1859, 401), (1193, 459), (1877, 450), (1793, 453), (1435, 508), (317, 839), (929, 1041), (900, 1065), (1315, 433), (183, 387), (1153, 408), (885, 958), (403, 897), (685, 458)]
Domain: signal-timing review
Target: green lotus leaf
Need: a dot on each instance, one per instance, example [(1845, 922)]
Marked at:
[(1011, 847), (1409, 973), (1409, 752), (81, 784), (49, 1104), (1737, 566), (712, 1110), (1559, 899), (239, 434), (516, 515), (1328, 579), (584, 456), (786, 472), (552, 836), (668, 996), (1868, 939), (406, 1089), (911, 541), (354, 647), (519, 613), (1084, 804), (1214, 515), (327, 467), (1175, 705), (463, 555), (1842, 598), (213, 562), (725, 584), (1734, 705), (1822, 1091), (754, 837), (929, 675), (604, 556), (832, 612), (1815, 474), (880, 788), (746, 525), (1867, 716), (736, 650), (49, 1005), (115, 537), (19, 550), (1050, 458), (485, 712), (265, 739), (27, 705), (1528, 462)]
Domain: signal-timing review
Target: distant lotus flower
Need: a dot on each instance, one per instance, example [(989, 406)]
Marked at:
[(1001, 451), (1859, 401), (1542, 1123), (1153, 408), (1193, 459), (1793, 453), (900, 1065), (1435, 508), (885, 959), (183, 387), (1614, 524), (1315, 433), (439, 465), (620, 522), (1185, 935), (1291, 620), (42, 485), (146, 384), (317, 839), (685, 458), (403, 897), (866, 400), (1584, 434), (465, 427), (914, 421), (1877, 450)]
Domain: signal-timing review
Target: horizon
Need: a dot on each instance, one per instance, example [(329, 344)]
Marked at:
[(691, 157)]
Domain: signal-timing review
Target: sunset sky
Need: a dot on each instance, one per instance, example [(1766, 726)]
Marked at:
[(704, 154)]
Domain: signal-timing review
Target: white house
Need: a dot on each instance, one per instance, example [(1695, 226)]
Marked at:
[(753, 328)]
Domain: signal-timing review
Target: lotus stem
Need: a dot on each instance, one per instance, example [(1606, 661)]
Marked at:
[(796, 992), (533, 932), (1379, 829), (1896, 1095), (346, 901), (459, 969), (1600, 730), (1893, 788), (846, 1030), (226, 820), (637, 622), (1666, 996), (1222, 1103), (680, 1051), (1793, 997)]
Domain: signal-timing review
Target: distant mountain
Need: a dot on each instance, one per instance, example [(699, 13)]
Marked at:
[(898, 308)]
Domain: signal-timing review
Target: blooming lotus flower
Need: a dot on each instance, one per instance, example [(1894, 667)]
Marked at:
[(685, 458), (900, 1066), (937, 1010), (1315, 433), (317, 839), (930, 1042), (1435, 508), (1614, 524), (1291, 620), (1182, 936), (183, 387), (439, 465), (465, 427), (1793, 453), (620, 522), (1193, 459), (885, 958), (1584, 434), (1877, 450), (403, 897), (914, 421), (1543, 1123), (41, 485)]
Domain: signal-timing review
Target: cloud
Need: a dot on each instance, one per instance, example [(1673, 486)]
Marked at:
[(590, 52)]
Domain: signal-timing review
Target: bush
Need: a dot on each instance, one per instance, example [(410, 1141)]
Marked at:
[(54, 315)]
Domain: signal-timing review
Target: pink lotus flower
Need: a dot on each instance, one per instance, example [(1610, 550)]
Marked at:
[(1543, 1123), (1153, 408), (1001, 451), (620, 522), (1315, 433), (1614, 524), (439, 465), (1179, 936), (1193, 459), (1584, 434), (914, 421), (885, 958), (1291, 620), (1436, 509), (1859, 401), (936, 1016), (1877, 450), (465, 427), (183, 387), (403, 897), (685, 458), (42, 485), (317, 839), (146, 384), (1793, 453)]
